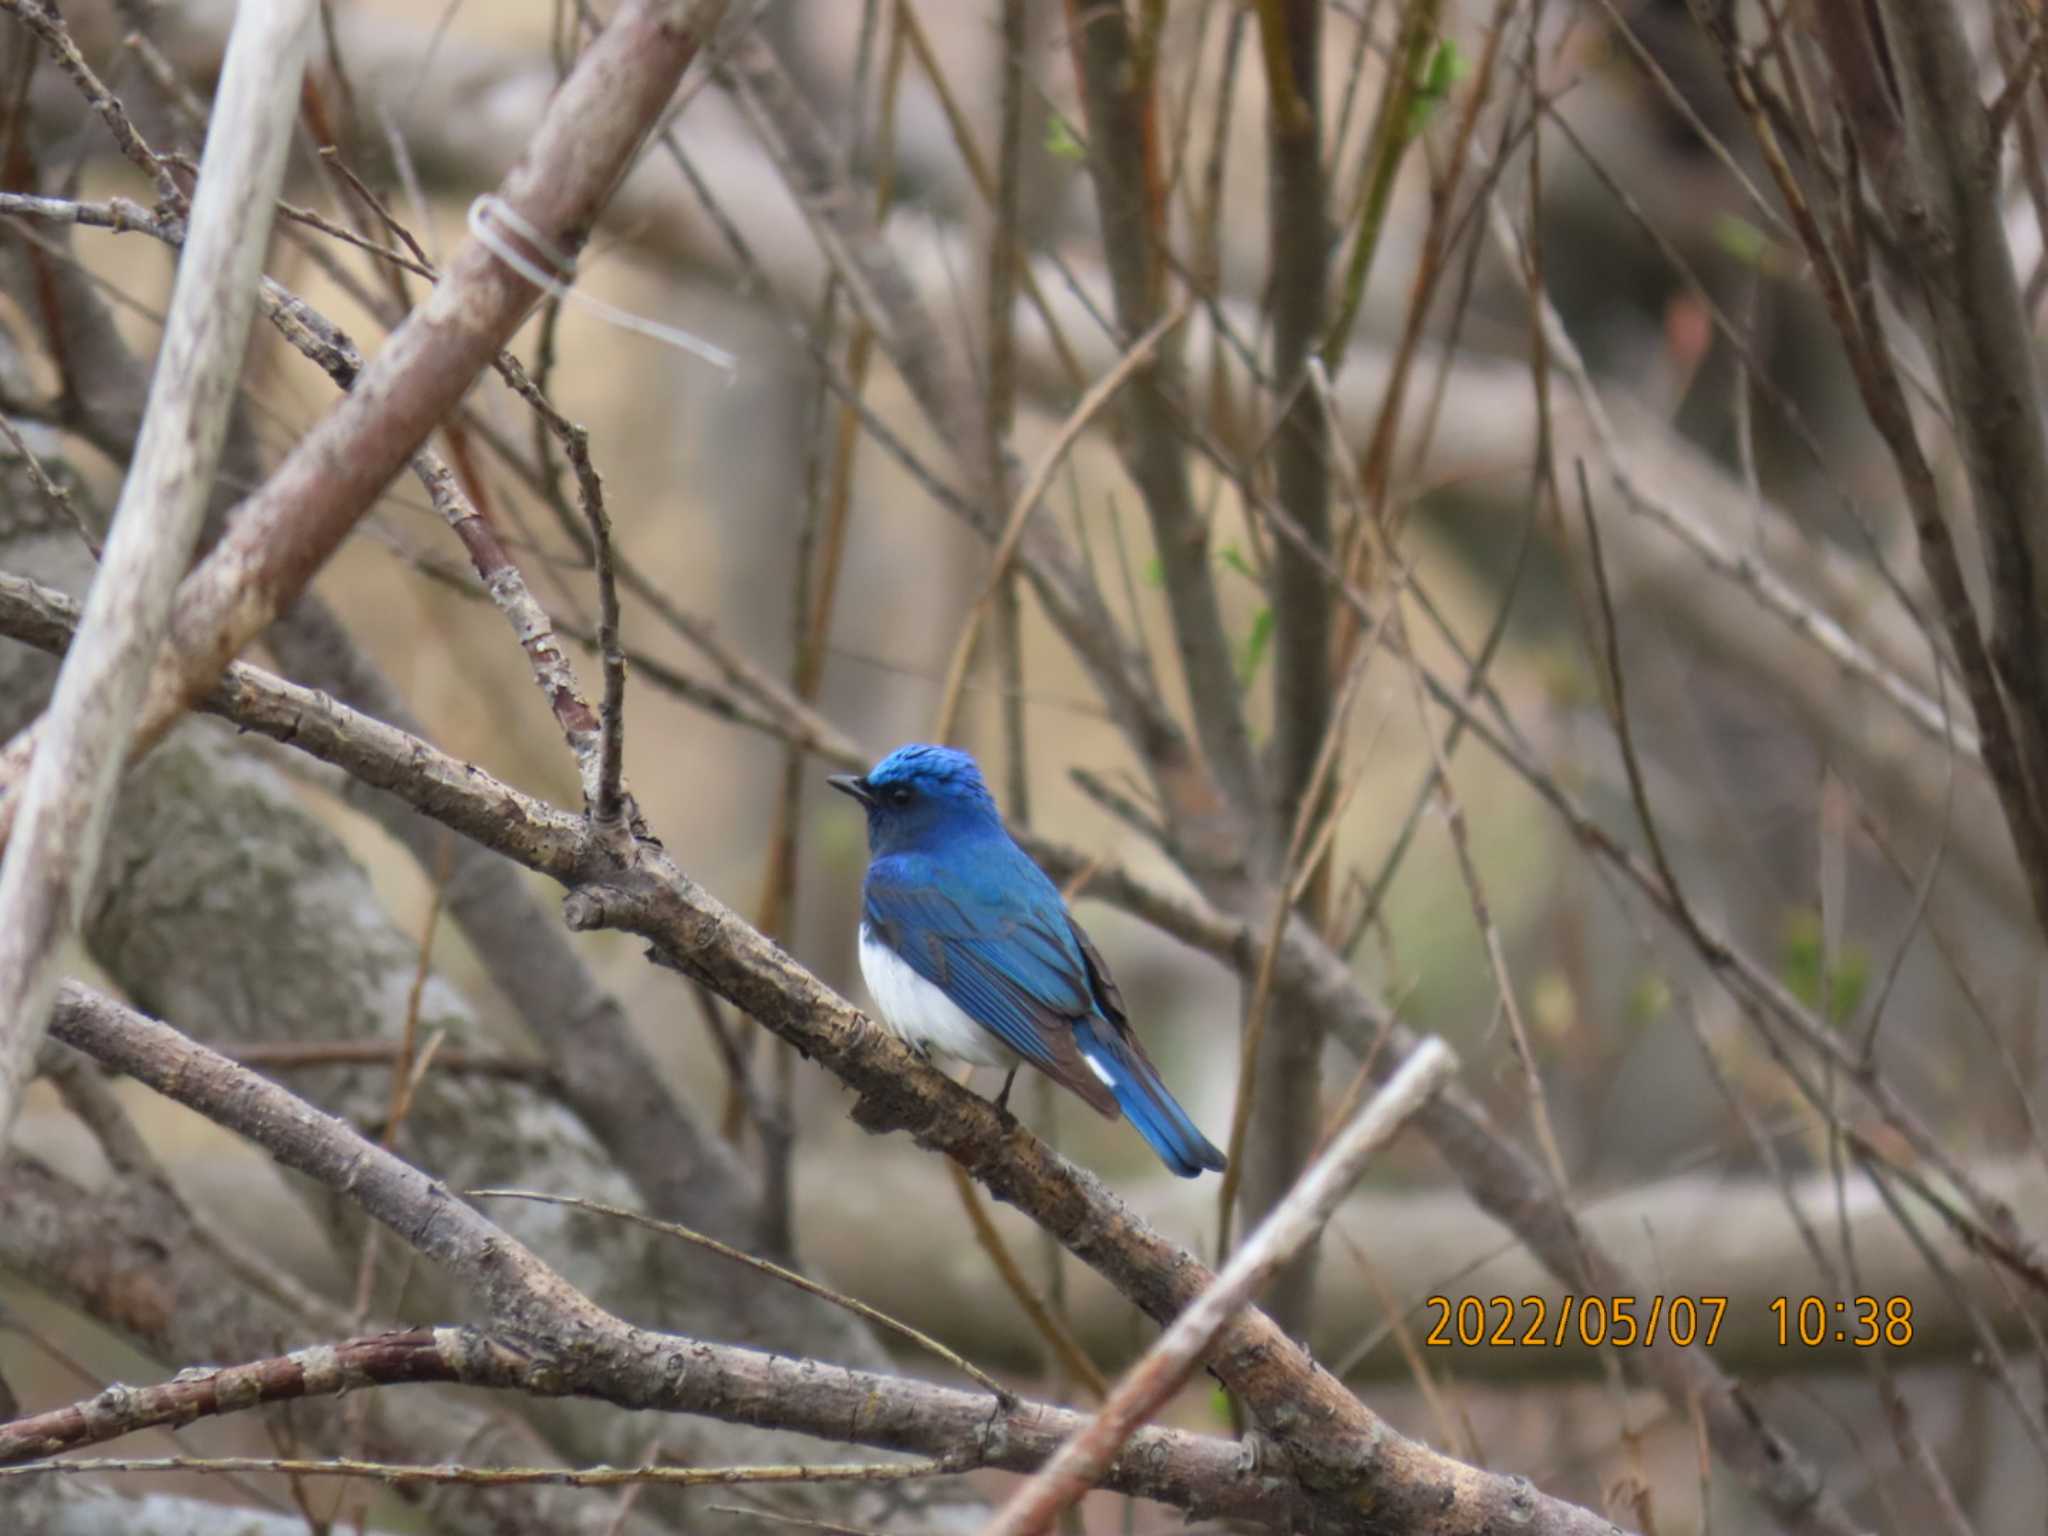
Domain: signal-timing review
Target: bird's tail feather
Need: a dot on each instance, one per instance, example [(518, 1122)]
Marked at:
[(1135, 1083)]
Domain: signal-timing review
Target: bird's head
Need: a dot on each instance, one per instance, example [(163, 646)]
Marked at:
[(919, 793)]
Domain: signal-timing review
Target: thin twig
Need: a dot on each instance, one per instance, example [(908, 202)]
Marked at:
[(1008, 240), (1315, 824), (315, 1055), (399, 1474), (1067, 1349), (611, 799), (54, 493), (1482, 913), (788, 1277), (60, 809), (285, 531), (44, 21), (1292, 1224), (582, 727), (2007, 104), (1099, 394)]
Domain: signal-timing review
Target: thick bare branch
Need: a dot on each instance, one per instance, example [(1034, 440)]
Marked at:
[(283, 534), (1285, 1106), (681, 1168), (565, 1343), (60, 807), (1289, 1227), (130, 1254)]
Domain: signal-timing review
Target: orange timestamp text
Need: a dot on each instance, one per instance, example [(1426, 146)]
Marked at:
[(1864, 1321), (1537, 1321)]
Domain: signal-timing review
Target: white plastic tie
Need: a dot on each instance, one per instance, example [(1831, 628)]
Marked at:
[(490, 207)]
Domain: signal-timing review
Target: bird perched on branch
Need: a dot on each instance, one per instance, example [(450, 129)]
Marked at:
[(969, 951)]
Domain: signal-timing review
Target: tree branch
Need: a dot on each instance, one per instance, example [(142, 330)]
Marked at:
[(1944, 195), (1197, 1472), (552, 1338), (283, 533), (61, 804), (1291, 1226), (130, 1255), (1123, 157), (1286, 1084)]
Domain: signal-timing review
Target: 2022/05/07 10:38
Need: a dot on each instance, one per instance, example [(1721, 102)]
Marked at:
[(1624, 1322)]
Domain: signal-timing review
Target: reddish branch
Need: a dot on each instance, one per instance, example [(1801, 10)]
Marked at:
[(1197, 1472), (551, 1338), (1176, 1355), (423, 1354), (288, 529), (1116, 88)]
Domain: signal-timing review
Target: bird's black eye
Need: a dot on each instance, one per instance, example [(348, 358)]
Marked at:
[(899, 795)]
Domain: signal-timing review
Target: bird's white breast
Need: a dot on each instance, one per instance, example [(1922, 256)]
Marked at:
[(921, 1015)]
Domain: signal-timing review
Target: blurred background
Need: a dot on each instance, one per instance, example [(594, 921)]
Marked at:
[(1704, 423)]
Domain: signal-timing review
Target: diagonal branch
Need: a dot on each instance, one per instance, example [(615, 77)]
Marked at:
[(62, 804), (1198, 1472), (1122, 158), (1944, 196), (283, 533), (1293, 1224)]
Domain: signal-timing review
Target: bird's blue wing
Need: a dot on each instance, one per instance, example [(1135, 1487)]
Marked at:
[(989, 930)]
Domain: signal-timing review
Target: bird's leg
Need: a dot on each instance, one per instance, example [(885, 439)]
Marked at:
[(1003, 1098)]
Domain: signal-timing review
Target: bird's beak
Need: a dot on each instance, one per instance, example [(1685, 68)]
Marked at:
[(852, 784)]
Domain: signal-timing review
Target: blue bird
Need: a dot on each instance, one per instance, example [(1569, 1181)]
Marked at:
[(969, 951)]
